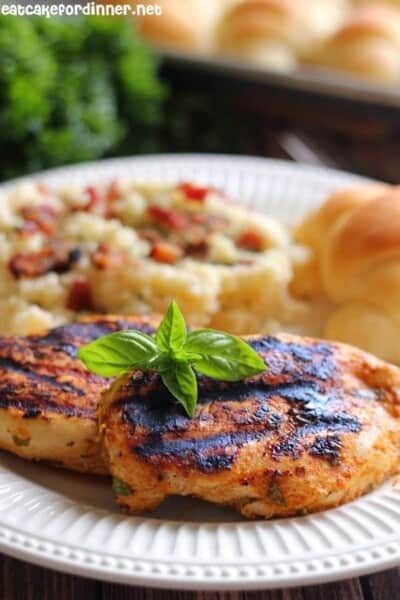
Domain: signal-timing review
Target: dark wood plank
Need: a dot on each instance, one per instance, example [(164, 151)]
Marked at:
[(22, 581), (345, 590), (342, 591), (124, 592), (350, 590), (382, 586), (295, 594)]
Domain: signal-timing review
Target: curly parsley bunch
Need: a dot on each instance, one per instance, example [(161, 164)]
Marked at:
[(73, 90)]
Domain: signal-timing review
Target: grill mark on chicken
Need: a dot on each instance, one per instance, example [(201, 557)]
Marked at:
[(40, 374), (303, 378), (42, 405), (219, 451), (327, 448), (34, 378), (208, 454), (69, 338), (283, 357)]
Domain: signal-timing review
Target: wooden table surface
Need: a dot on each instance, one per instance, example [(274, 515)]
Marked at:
[(21, 581)]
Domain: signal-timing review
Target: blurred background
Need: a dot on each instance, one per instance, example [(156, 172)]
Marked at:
[(316, 81)]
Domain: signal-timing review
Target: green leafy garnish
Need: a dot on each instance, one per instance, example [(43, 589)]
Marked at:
[(275, 494), (175, 354), (171, 334), (121, 488), (119, 352), (19, 441), (222, 356), (181, 381)]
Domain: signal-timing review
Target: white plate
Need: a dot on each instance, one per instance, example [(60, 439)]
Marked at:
[(70, 522)]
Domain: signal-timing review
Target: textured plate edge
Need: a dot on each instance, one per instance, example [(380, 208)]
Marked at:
[(196, 578), (245, 160)]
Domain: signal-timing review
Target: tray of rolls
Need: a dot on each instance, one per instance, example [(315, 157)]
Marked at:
[(344, 48)]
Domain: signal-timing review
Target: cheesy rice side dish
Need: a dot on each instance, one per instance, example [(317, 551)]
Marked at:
[(130, 248)]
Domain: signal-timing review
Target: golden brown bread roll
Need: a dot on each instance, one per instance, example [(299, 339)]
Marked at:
[(367, 44), (354, 240), (274, 33), (392, 2), (184, 24)]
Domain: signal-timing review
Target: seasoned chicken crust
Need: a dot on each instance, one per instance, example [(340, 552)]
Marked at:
[(48, 399), (319, 428)]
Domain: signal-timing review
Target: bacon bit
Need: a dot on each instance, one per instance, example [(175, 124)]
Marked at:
[(217, 223), (165, 252), (99, 204), (210, 222), (28, 228), (42, 187), (43, 216), (150, 235), (250, 240), (106, 257), (56, 257), (114, 191), (96, 203), (94, 196), (198, 249), (194, 192), (80, 296), (167, 218), (199, 219)]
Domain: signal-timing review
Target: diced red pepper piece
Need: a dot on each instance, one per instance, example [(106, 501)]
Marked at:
[(80, 296), (250, 240), (167, 217), (164, 252), (194, 192)]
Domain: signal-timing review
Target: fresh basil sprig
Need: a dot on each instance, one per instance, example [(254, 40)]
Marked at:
[(175, 354)]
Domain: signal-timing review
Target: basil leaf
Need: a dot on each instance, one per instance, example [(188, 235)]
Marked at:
[(223, 356), (171, 333), (118, 353), (181, 381)]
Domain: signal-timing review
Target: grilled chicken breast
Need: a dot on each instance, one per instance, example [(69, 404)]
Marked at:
[(48, 400), (317, 429)]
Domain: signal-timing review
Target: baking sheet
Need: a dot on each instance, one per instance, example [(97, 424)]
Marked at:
[(310, 80)]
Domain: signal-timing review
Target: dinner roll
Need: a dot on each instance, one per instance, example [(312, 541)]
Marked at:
[(354, 242), (184, 24), (368, 328), (393, 2), (274, 33), (366, 45)]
